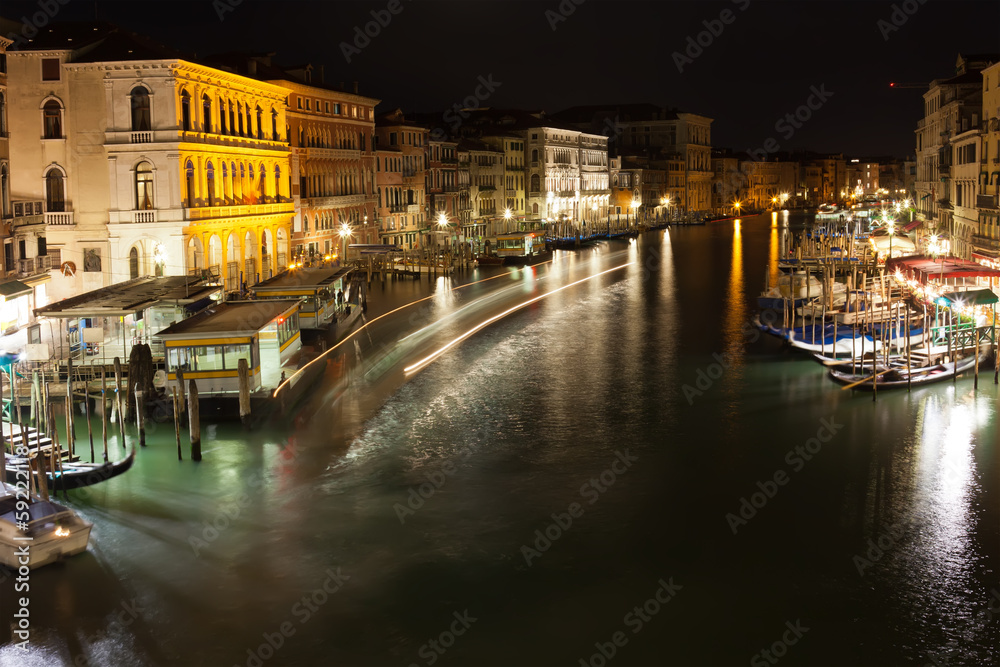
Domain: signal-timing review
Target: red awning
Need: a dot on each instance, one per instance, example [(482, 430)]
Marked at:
[(910, 226), (925, 269)]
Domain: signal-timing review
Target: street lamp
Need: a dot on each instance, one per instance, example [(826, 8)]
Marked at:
[(507, 215), (345, 232), (736, 205), (891, 227), (635, 208)]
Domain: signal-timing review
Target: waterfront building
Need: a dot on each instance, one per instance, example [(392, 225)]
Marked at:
[(25, 263), (727, 180), (657, 133), (400, 176), (441, 188), (765, 182), (952, 107), (964, 182), (486, 194), (332, 134), (149, 164), (986, 240), (862, 178), (567, 174), (513, 199)]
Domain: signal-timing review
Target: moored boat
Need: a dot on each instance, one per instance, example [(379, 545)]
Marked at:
[(897, 375), (35, 532)]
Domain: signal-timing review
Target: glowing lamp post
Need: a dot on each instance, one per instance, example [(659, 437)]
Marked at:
[(344, 233), (736, 206), (635, 209), (507, 215), (891, 227)]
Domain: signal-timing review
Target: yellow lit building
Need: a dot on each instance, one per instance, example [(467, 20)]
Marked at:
[(149, 164)]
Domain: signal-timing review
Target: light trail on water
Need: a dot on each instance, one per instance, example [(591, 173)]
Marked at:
[(434, 355)]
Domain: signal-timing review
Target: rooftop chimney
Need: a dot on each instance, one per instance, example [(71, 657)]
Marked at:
[(355, 87)]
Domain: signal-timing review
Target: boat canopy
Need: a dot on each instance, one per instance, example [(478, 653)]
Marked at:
[(977, 297), (924, 268)]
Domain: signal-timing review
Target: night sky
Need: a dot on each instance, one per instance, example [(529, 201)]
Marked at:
[(761, 66)]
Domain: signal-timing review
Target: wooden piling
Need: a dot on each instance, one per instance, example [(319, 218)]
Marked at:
[(177, 422), (43, 482), (104, 411), (181, 395), (243, 370), (118, 400), (140, 415), (70, 426), (975, 382), (194, 421)]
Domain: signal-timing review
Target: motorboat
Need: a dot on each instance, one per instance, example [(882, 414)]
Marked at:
[(35, 532)]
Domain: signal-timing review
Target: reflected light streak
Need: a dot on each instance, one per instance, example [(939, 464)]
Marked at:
[(434, 355)]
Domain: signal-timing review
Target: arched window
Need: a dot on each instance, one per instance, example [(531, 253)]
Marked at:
[(302, 137), (55, 191), (232, 182), (206, 114), (277, 183), (260, 123), (185, 111), (133, 263), (249, 197), (52, 115), (225, 182), (140, 109), (305, 223), (222, 117), (3, 114), (232, 119), (249, 121), (210, 183), (144, 187), (274, 125), (535, 183), (534, 155), (189, 181), (239, 115)]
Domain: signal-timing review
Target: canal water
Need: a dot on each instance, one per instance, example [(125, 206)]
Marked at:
[(622, 472)]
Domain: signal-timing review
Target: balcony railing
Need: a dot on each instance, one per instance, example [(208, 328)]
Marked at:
[(205, 212), (30, 266), (144, 216), (986, 201), (145, 137), (62, 218), (985, 242), (397, 208), (27, 213)]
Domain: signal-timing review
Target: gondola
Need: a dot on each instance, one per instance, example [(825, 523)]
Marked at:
[(896, 377), (73, 475)]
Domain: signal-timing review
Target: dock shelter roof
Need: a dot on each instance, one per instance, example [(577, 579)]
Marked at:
[(976, 297), (130, 297), (13, 288), (304, 280), (924, 269), (230, 319)]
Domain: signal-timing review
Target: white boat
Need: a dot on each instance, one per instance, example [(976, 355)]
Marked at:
[(830, 211), (798, 285), (56, 531)]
